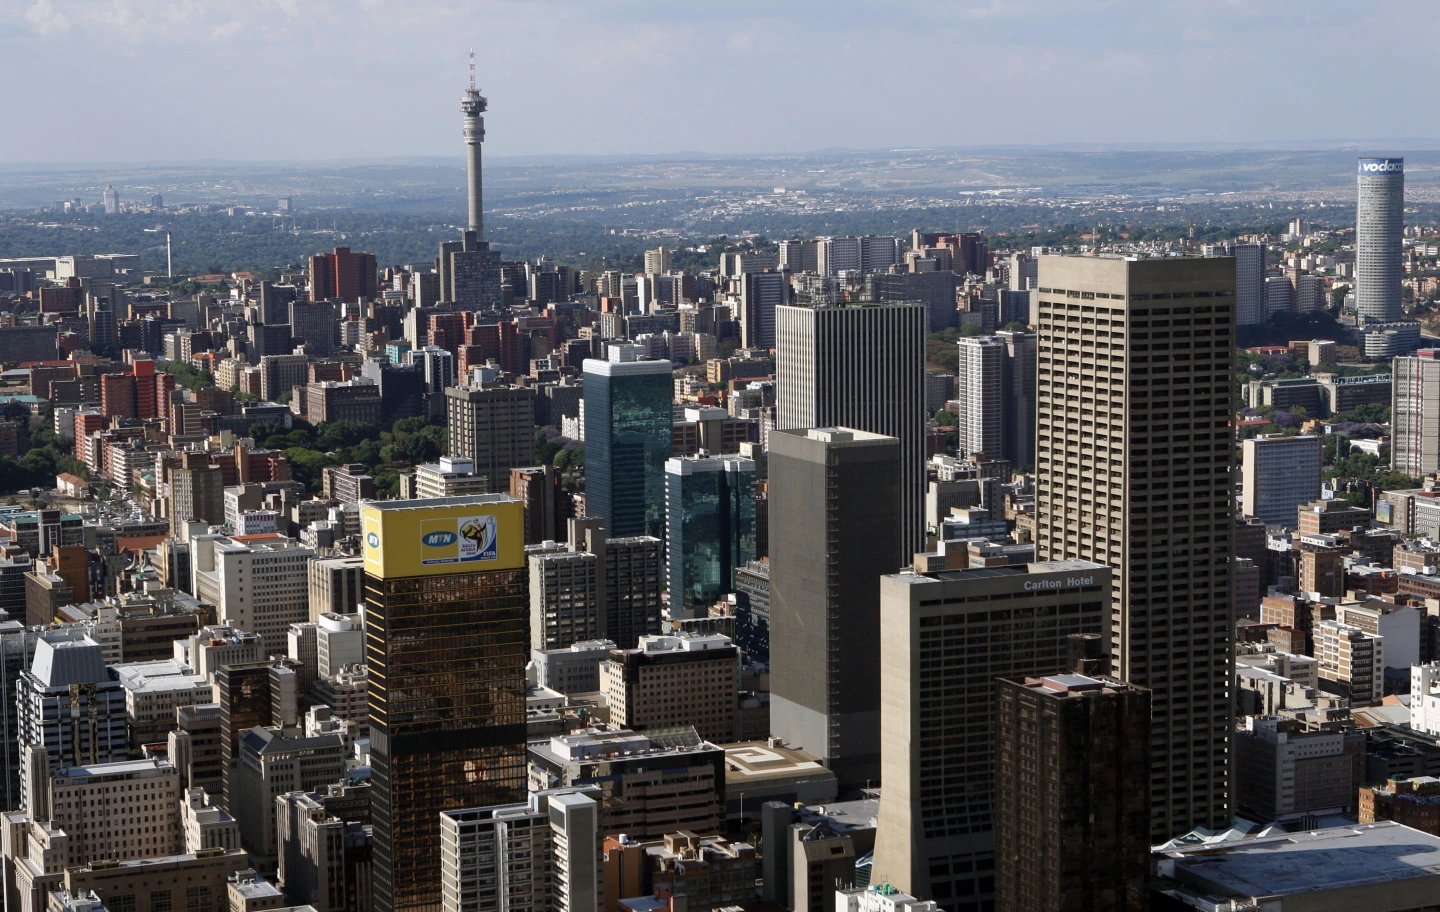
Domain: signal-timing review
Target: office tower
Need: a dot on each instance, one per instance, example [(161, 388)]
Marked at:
[(859, 366), (547, 505), (203, 825), (17, 645), (670, 681), (197, 491), (944, 639), (92, 810), (258, 585), (596, 587), (1017, 386), (452, 476), (835, 529), (760, 294), (656, 783), (446, 651), (325, 854), (495, 427), (627, 440), (273, 764), (472, 106), (1250, 308), (69, 705), (1279, 475), (1120, 481), (342, 274), (657, 261), (1415, 413), (709, 528), (565, 596), (799, 256), (1022, 272), (1350, 661), (981, 407), (281, 374), (1279, 296), (542, 854), (335, 585), (194, 747), (316, 324), (574, 669), (1072, 816), (111, 199), (1379, 227)]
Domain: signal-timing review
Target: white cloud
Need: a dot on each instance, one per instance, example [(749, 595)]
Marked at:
[(44, 18)]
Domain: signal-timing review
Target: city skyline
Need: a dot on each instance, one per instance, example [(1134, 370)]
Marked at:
[(391, 55)]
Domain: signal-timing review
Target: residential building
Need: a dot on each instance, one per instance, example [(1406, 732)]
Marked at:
[(980, 411), (837, 518), (1415, 413), (197, 491), (445, 601), (342, 274), (817, 384), (547, 505), (452, 476), (760, 294), (1172, 625), (343, 400), (1352, 662), (938, 731), (596, 587), (494, 427)]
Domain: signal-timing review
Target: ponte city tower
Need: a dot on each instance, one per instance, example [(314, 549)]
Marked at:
[(1379, 228), (472, 106)]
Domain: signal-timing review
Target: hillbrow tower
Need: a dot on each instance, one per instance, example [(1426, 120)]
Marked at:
[(472, 106)]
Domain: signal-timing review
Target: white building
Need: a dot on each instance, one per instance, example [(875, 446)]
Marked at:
[(541, 855), (259, 586), (216, 645), (1352, 659), (880, 898), (153, 691), (339, 641), (205, 826), (979, 380), (1425, 698)]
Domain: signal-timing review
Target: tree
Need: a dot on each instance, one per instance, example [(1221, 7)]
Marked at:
[(944, 418)]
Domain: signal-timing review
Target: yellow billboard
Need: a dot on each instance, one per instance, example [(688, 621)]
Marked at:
[(443, 535)]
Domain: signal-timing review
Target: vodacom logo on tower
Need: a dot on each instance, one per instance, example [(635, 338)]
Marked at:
[(1382, 165)]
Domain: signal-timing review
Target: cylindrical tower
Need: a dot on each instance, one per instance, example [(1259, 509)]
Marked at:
[(1379, 226), (472, 105)]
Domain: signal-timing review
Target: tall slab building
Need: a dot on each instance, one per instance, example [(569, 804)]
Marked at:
[(858, 365), (835, 524), (447, 640), (627, 440), (1134, 459), (1379, 229)]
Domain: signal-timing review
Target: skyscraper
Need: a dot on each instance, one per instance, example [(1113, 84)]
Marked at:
[(1250, 307), (709, 528), (861, 366), (943, 640), (1018, 390), (342, 274), (760, 294), (1415, 411), (836, 515), (1379, 226), (1134, 455), (627, 440), (494, 426), (981, 412), (1072, 825), (447, 643)]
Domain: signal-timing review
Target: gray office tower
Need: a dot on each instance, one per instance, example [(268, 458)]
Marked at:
[(627, 440), (835, 525), (1250, 307), (760, 294), (1134, 458), (859, 365), (1379, 226)]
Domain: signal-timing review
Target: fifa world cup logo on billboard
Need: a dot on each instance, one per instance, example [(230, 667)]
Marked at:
[(477, 538)]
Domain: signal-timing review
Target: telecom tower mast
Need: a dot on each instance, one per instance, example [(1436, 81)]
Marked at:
[(472, 105)]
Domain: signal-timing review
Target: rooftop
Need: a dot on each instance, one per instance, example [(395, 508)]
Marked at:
[(756, 761)]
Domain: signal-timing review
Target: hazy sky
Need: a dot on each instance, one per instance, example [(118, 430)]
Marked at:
[(132, 80)]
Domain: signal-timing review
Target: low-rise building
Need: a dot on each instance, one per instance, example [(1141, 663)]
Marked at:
[(1414, 803)]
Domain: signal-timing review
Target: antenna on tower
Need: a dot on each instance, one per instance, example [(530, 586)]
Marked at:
[(472, 71)]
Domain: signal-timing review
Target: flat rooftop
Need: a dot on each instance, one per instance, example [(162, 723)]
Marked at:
[(758, 761), (1328, 859), (432, 502)]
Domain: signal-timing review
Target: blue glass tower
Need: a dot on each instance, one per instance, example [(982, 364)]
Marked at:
[(709, 528), (628, 420)]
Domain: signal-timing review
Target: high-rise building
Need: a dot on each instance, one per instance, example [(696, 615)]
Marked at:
[(628, 419), (1415, 413), (258, 584), (1072, 816), (670, 681), (944, 639), (657, 261), (709, 528), (495, 427), (272, 764), (197, 490), (1379, 227), (446, 652), (835, 529), (1250, 309), (342, 274), (543, 854), (335, 585), (861, 366), (1279, 475), (1018, 392), (596, 587), (1134, 462), (982, 411), (760, 294), (547, 505)]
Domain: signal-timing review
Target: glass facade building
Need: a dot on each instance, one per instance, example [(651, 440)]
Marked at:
[(446, 654), (628, 419), (709, 528)]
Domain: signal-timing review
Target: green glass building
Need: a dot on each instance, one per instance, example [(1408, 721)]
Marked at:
[(709, 528), (628, 420)]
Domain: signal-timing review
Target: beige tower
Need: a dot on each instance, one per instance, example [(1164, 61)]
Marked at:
[(1134, 456)]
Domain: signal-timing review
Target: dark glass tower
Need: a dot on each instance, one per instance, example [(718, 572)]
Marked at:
[(627, 440), (446, 644), (709, 528)]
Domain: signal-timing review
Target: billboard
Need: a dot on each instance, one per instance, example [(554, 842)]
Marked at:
[(1380, 166), (443, 535)]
